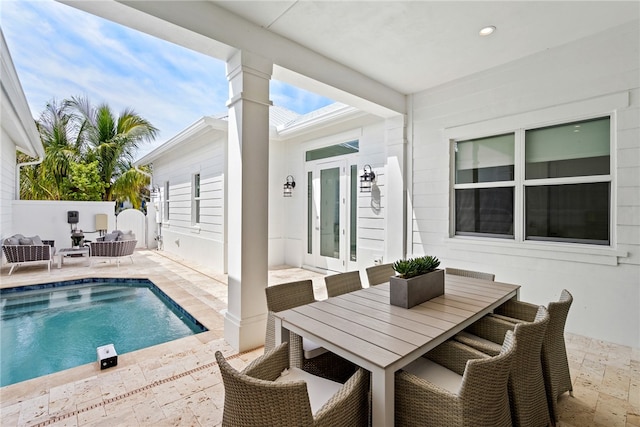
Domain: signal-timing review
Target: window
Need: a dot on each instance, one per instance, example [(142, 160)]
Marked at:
[(484, 186), (309, 212), (568, 182), (333, 151), (563, 185), (353, 214), (195, 199), (166, 201)]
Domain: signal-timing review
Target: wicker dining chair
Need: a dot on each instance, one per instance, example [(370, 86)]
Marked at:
[(555, 365), (476, 396), (342, 283), (283, 297), (380, 273), (470, 273), (304, 353), (527, 394), (258, 397)]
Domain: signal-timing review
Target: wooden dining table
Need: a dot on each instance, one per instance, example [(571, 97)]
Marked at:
[(365, 329)]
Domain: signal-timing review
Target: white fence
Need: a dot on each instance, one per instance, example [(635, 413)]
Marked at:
[(48, 219)]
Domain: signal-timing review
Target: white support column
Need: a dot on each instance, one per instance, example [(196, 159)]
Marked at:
[(247, 196), (395, 139)]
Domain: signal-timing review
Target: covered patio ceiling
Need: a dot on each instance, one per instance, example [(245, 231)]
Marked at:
[(369, 54)]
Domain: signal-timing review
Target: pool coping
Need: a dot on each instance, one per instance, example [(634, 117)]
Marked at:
[(168, 285), (177, 309)]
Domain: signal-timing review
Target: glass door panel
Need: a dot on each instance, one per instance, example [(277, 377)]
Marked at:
[(326, 216), (330, 212)]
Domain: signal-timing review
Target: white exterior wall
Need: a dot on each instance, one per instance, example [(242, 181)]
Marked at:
[(17, 131), (48, 219), (204, 243), (7, 184), (596, 75), (279, 205), (371, 233)]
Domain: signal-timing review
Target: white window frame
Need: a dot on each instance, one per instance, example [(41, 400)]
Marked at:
[(520, 183), (491, 184), (196, 197), (602, 106), (167, 188)]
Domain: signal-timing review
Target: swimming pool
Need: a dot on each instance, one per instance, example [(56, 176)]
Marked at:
[(55, 326)]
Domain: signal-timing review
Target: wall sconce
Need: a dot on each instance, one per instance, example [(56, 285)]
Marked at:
[(289, 186), (366, 179)]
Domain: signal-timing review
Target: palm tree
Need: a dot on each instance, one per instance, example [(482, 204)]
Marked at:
[(112, 141), (132, 185), (60, 138)]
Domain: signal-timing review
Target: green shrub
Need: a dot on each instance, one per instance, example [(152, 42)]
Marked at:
[(407, 268)]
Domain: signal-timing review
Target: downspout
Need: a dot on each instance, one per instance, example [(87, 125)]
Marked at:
[(20, 165)]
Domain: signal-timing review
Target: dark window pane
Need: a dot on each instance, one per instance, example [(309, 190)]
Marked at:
[(493, 174), (486, 211), (577, 213), (572, 149), (573, 167)]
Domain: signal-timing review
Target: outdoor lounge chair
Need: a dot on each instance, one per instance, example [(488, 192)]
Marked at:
[(19, 250), (455, 385), (527, 395), (555, 365), (269, 392), (116, 248), (342, 283), (380, 273), (470, 273), (304, 353)]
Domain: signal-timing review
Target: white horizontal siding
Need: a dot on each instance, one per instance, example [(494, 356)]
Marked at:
[(7, 183), (594, 67), (197, 242)]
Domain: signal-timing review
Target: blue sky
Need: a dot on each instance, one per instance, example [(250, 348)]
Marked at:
[(59, 52)]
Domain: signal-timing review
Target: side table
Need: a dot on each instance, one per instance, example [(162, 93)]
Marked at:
[(65, 252)]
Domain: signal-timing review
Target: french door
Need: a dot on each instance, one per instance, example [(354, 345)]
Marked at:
[(327, 238)]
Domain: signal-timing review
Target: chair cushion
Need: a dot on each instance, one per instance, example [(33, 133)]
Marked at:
[(110, 237), (36, 240), (434, 373), (126, 236), (320, 389), (312, 349), (12, 241), (26, 241)]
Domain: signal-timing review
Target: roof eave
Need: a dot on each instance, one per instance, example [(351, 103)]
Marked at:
[(330, 118), (16, 115), (202, 125)]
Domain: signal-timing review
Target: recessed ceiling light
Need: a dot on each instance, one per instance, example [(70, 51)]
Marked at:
[(486, 31)]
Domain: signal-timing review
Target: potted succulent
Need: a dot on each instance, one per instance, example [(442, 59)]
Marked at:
[(417, 280)]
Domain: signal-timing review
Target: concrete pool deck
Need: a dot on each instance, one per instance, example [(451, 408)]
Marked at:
[(179, 384)]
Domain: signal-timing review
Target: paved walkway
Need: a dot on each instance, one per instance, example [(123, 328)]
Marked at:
[(179, 384)]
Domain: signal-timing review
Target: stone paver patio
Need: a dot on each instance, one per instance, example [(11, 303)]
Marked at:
[(178, 383)]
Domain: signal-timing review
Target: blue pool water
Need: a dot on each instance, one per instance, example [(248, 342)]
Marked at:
[(51, 327)]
